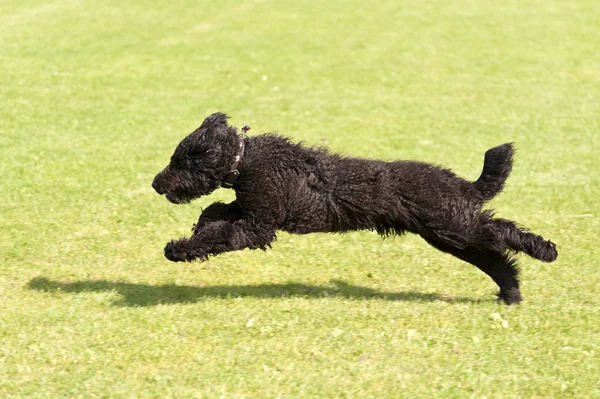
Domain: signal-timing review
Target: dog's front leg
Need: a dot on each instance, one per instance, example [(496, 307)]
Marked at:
[(218, 211), (220, 236)]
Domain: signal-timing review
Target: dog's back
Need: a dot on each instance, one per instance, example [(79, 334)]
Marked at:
[(319, 191)]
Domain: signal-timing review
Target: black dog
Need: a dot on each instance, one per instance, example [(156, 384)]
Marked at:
[(280, 185)]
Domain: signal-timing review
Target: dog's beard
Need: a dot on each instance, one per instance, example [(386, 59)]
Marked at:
[(179, 199), (178, 196)]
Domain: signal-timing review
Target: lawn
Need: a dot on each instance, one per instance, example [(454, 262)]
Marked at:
[(94, 97)]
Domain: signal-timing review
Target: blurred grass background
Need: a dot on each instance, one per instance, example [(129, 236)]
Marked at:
[(95, 96)]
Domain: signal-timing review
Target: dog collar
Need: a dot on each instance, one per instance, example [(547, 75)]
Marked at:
[(234, 173)]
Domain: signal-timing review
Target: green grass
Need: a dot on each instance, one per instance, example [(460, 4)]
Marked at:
[(94, 96)]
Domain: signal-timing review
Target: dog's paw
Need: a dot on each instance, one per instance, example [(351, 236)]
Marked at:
[(182, 251), (548, 252), (175, 253), (511, 296)]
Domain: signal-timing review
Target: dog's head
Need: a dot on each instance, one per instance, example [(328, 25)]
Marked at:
[(200, 162)]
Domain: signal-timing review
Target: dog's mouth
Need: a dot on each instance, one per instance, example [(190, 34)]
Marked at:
[(175, 195), (179, 199)]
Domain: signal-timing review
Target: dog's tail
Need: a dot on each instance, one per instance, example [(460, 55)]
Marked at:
[(497, 165)]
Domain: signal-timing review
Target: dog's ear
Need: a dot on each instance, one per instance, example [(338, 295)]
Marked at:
[(217, 118)]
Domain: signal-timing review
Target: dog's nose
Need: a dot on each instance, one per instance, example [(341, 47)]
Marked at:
[(157, 188)]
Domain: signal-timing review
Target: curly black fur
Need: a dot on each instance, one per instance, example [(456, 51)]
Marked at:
[(298, 189)]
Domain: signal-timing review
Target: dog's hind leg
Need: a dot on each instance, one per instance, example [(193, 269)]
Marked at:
[(499, 266), (519, 239)]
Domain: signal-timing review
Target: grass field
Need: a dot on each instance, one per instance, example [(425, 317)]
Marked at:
[(94, 96)]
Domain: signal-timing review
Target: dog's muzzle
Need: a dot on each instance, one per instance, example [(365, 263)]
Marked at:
[(157, 187)]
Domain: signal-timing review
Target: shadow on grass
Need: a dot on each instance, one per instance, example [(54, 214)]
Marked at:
[(150, 295)]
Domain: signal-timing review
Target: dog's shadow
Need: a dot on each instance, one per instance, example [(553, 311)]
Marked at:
[(151, 295)]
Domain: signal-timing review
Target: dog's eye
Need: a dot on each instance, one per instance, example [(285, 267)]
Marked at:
[(196, 153)]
